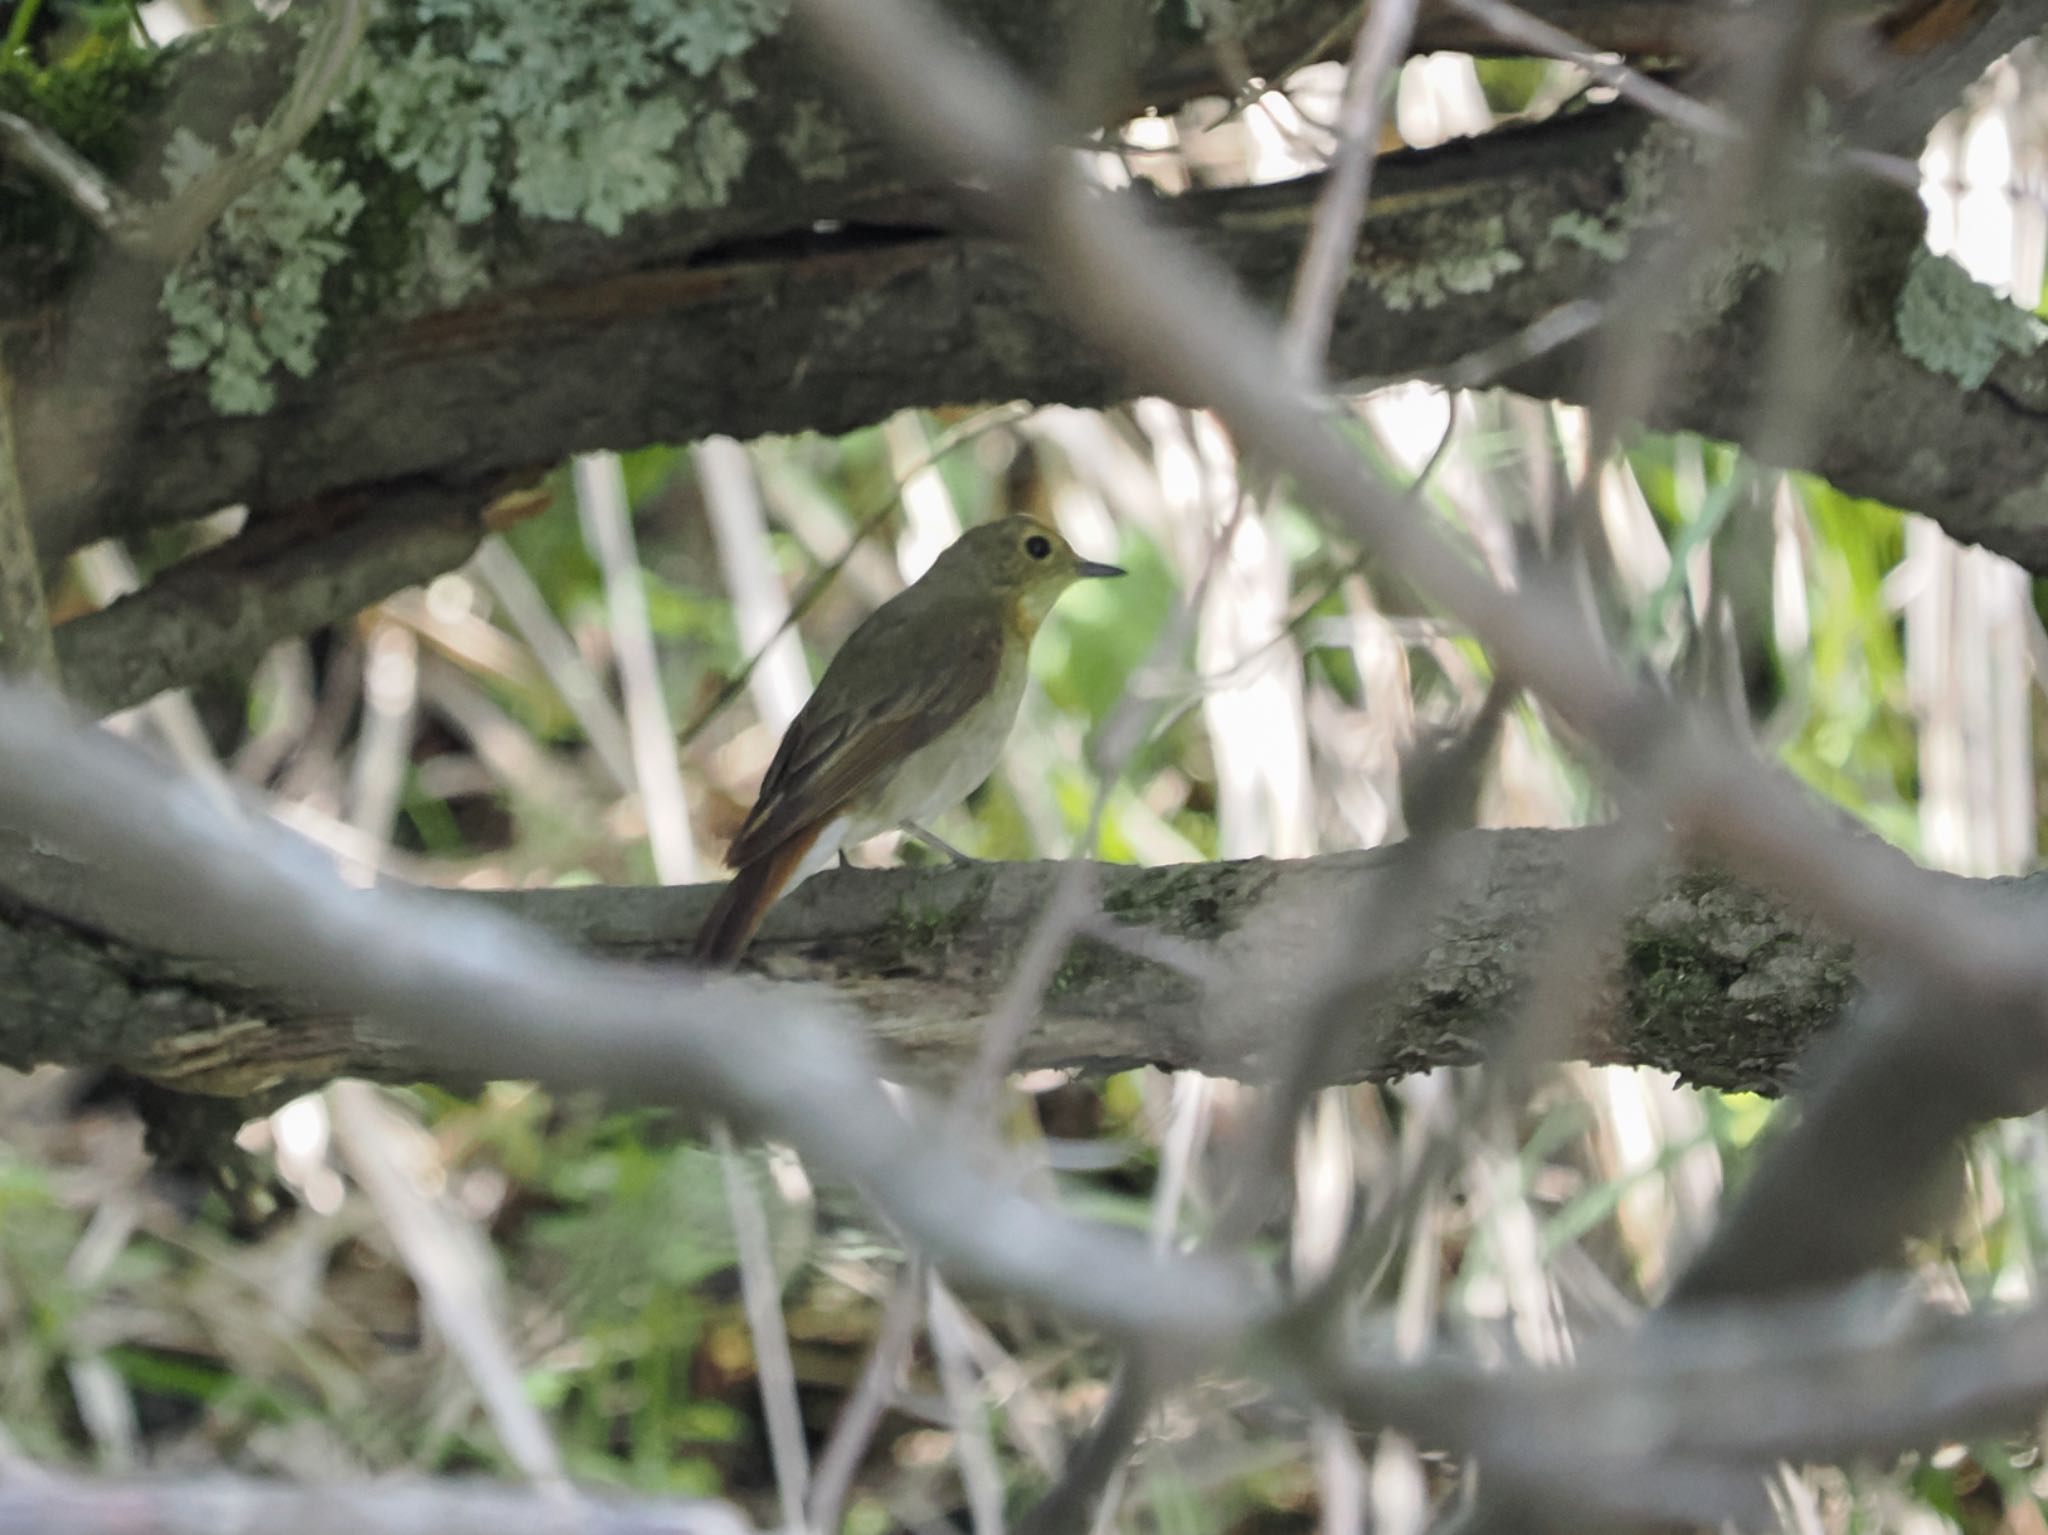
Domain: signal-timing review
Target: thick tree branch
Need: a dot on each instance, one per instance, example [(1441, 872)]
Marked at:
[(1711, 980), (1463, 247), (285, 576), (744, 318)]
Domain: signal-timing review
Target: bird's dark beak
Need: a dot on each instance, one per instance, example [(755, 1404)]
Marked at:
[(1096, 568)]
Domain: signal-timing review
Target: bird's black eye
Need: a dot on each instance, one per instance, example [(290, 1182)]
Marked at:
[(1038, 546)]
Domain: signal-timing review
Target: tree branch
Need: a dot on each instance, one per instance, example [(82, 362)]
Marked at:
[(283, 577), (25, 644), (744, 319), (1711, 979), (1464, 248), (221, 1505)]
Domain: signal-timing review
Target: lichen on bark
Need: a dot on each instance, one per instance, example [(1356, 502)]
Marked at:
[(458, 112)]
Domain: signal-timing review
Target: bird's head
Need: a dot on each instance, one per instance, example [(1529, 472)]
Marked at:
[(1019, 562)]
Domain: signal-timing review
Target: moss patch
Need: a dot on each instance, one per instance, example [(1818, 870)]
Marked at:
[(1199, 901), (92, 99)]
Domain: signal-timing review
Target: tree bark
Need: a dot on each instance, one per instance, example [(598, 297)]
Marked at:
[(751, 316), (1197, 966)]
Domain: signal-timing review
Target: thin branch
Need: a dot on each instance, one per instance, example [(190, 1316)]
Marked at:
[(456, 1274), (861, 1412), (980, 1473), (1072, 1502), (775, 669), (222, 1505), (169, 230), (608, 530), (26, 648), (285, 576), (37, 149), (1518, 27), (513, 590), (1347, 188), (166, 231)]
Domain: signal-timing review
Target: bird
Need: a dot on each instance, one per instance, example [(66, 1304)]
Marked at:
[(910, 716)]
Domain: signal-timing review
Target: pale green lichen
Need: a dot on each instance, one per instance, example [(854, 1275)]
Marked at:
[(1717, 272), (1646, 174), (1949, 323), (816, 142), (1604, 239), (565, 111), (590, 112), (2026, 508), (249, 298), (1230, 20), (1480, 256)]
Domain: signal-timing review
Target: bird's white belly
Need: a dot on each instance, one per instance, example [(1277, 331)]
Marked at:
[(938, 776)]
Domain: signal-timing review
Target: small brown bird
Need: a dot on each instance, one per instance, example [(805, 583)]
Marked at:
[(910, 716)]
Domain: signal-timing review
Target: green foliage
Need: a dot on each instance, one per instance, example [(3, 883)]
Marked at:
[(91, 96), (1511, 85), (1856, 743)]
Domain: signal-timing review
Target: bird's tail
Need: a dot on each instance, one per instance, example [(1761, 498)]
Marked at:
[(745, 901)]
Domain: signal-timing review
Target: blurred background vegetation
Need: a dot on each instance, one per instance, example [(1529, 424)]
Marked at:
[(1252, 689)]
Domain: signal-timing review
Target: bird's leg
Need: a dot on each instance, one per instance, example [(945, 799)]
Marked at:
[(844, 861), (930, 839)]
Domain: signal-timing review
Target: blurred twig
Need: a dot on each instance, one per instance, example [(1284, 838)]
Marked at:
[(980, 1473), (953, 437), (775, 666), (1518, 27), (1347, 187), (26, 647), (601, 498), (455, 1271), (862, 1411), (223, 1505), (572, 676), (608, 528)]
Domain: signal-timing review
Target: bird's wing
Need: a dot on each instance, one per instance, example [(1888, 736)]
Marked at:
[(888, 692)]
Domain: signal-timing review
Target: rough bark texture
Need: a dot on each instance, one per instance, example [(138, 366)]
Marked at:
[(746, 318), (289, 576), (1711, 980)]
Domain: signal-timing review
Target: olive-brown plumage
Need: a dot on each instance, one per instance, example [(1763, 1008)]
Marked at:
[(910, 716)]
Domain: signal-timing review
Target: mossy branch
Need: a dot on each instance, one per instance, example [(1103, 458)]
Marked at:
[(1190, 967)]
